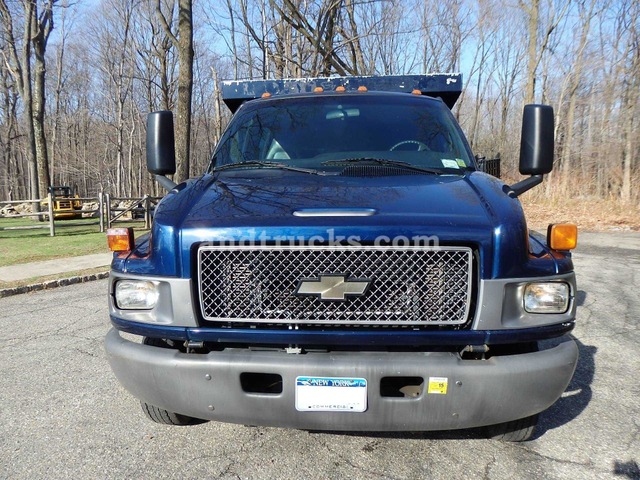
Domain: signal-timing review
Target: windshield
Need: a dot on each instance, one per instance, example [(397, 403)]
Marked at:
[(322, 132)]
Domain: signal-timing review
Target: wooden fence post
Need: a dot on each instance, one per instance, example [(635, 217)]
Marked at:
[(52, 225), (101, 210), (147, 212), (107, 209)]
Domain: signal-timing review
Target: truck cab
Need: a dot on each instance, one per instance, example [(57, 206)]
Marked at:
[(343, 264)]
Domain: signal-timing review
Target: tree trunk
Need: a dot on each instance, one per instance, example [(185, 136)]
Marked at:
[(20, 68), (184, 44), (358, 57), (234, 50), (533, 12), (57, 112), (36, 34), (39, 98), (217, 106), (185, 88), (576, 78), (631, 104)]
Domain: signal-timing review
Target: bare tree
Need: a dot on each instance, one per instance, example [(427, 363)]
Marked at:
[(182, 40), (486, 38), (537, 47), (114, 58), (157, 61), (20, 67), (320, 34), (41, 29), (587, 12), (630, 99), (60, 70), (11, 178)]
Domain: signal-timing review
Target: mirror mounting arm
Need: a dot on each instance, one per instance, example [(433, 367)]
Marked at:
[(519, 188), (165, 182)]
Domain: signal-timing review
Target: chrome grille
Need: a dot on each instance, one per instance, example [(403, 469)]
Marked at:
[(409, 285)]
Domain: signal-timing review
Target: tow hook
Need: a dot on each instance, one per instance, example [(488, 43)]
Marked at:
[(190, 345), (474, 351)]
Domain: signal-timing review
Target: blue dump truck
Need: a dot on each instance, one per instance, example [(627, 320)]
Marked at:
[(345, 265)]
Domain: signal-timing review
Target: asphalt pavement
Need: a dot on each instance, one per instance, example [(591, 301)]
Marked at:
[(63, 414)]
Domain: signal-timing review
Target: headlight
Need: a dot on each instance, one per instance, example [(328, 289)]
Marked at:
[(546, 297), (136, 295)]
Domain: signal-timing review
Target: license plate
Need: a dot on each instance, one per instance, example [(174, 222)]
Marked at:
[(331, 394)]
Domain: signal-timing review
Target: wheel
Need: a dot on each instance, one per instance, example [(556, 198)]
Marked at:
[(514, 431), (421, 146), (165, 417)]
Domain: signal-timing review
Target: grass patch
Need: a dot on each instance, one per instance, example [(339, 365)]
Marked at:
[(73, 238)]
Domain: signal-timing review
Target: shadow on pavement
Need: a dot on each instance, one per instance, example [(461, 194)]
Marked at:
[(581, 296), (629, 469), (577, 395)]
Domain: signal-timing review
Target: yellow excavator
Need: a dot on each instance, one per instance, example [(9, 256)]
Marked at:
[(66, 202)]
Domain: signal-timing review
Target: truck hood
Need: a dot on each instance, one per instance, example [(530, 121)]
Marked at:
[(275, 205), (273, 198)]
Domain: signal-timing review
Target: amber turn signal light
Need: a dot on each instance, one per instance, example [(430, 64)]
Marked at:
[(265, 95), (362, 88), (562, 236), (415, 91), (120, 239), (318, 89), (341, 89)]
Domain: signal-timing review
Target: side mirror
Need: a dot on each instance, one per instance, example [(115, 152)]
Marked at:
[(161, 150), (536, 147), (536, 142)]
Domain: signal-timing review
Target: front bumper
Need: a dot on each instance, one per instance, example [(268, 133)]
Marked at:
[(480, 392)]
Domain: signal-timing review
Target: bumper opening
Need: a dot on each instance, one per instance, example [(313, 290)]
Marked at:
[(401, 387), (264, 383)]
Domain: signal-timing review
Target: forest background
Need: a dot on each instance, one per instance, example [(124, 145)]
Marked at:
[(78, 78)]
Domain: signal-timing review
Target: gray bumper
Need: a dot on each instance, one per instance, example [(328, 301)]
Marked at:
[(480, 392)]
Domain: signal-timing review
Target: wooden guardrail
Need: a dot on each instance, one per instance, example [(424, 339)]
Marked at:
[(140, 208), (108, 211), (37, 212)]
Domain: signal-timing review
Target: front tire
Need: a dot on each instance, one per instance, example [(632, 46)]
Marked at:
[(519, 430), (165, 417)]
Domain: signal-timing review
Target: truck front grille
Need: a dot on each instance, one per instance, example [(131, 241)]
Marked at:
[(405, 285)]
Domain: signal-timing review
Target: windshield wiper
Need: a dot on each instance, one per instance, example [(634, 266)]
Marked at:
[(263, 164), (382, 161)]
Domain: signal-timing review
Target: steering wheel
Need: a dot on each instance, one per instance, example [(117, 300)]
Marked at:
[(421, 146)]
